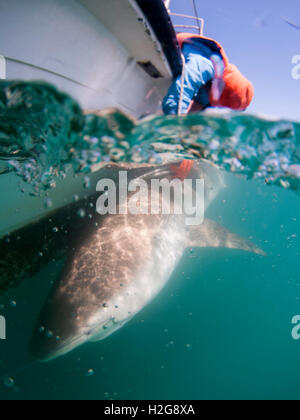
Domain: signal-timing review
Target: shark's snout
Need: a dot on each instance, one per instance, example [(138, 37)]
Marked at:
[(56, 331)]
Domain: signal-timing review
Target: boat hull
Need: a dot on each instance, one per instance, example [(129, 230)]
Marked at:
[(103, 53)]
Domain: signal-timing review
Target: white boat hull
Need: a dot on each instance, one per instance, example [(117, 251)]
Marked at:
[(90, 49)]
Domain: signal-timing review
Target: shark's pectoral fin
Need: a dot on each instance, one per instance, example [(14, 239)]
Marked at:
[(212, 235)]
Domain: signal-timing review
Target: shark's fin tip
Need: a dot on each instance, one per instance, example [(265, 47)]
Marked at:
[(212, 235)]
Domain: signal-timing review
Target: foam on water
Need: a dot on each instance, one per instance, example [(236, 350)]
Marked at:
[(44, 132)]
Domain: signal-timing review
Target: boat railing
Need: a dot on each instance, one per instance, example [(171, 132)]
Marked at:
[(199, 26), (200, 23)]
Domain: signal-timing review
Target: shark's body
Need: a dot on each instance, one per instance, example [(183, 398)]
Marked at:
[(119, 263)]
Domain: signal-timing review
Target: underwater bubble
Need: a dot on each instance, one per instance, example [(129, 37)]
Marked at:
[(81, 213), (294, 171), (90, 373), (13, 304), (86, 182), (125, 145), (91, 140), (9, 382), (75, 198), (42, 329), (14, 163), (285, 184), (117, 154), (94, 140), (136, 158), (48, 203), (108, 141), (49, 334), (55, 230), (52, 184), (214, 144)]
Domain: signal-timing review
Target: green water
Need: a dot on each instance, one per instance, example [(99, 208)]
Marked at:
[(221, 328)]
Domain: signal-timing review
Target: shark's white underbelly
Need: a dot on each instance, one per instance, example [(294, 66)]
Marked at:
[(167, 249)]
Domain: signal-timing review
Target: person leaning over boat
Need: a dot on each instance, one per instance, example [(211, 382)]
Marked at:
[(208, 79)]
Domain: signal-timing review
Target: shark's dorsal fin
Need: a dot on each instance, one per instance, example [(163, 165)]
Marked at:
[(212, 235)]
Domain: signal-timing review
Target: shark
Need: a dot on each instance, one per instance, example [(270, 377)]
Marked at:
[(115, 264)]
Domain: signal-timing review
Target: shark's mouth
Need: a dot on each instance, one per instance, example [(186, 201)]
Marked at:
[(62, 347)]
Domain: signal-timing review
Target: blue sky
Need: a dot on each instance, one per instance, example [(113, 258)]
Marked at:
[(259, 41)]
